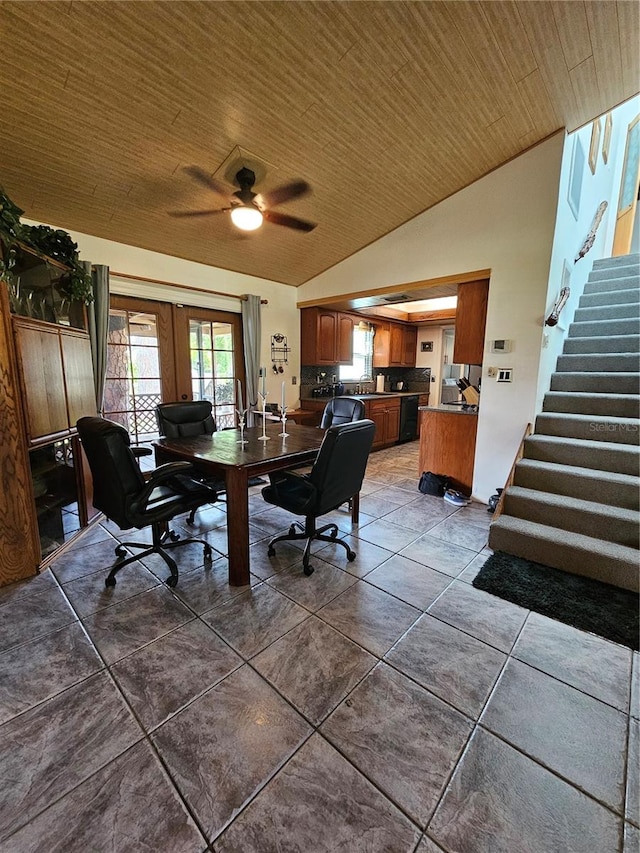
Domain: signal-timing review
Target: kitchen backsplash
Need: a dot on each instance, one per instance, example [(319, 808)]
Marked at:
[(416, 379)]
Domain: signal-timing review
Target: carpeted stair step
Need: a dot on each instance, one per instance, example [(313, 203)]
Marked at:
[(602, 344), (589, 484), (589, 427), (605, 561), (613, 383), (591, 518), (602, 328), (625, 362), (600, 455), (606, 285), (632, 259), (611, 297), (615, 405), (624, 311)]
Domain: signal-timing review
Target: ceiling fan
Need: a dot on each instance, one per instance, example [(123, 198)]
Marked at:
[(249, 209)]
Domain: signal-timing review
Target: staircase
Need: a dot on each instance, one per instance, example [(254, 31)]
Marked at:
[(574, 500)]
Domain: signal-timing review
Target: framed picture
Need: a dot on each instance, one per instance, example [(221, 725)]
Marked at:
[(594, 147), (426, 346), (606, 139), (575, 177)]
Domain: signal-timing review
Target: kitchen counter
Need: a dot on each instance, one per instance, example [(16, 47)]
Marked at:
[(450, 410)]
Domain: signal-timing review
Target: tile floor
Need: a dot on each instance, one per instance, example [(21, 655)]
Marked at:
[(379, 705)]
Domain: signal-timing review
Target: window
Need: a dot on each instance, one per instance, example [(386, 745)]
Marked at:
[(362, 365)]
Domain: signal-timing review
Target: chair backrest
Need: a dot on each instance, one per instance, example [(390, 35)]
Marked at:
[(340, 464), (117, 478), (184, 420), (342, 410)]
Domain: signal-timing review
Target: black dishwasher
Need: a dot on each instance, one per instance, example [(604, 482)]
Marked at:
[(408, 417)]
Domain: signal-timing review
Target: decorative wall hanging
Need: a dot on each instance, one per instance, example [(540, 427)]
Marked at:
[(563, 296), (594, 147), (279, 352), (575, 177), (591, 236), (606, 139)]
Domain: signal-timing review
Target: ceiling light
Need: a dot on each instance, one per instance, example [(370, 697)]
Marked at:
[(247, 218)]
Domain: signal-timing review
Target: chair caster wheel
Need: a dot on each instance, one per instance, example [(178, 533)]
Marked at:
[(334, 533), (121, 551), (308, 570), (171, 581), (174, 536), (351, 555), (207, 552), (110, 582), (271, 552)]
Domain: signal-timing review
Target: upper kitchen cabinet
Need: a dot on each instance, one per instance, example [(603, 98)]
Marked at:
[(471, 316), (394, 345), (326, 337)]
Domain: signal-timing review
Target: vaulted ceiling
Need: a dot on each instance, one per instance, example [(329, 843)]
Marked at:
[(384, 108)]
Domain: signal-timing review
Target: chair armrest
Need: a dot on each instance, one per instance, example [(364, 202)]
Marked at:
[(160, 475), (141, 451)]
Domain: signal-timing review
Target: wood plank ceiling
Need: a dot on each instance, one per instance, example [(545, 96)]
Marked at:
[(385, 108)]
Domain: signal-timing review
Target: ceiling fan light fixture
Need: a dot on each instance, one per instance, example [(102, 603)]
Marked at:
[(246, 218)]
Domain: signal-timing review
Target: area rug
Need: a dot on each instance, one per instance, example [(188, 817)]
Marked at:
[(588, 604)]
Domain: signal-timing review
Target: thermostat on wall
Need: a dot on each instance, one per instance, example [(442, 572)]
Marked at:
[(500, 345)]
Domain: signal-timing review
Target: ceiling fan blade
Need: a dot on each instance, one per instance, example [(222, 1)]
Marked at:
[(288, 221), (185, 213), (206, 180), (285, 193)]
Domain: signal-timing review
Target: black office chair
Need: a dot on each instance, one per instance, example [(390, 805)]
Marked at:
[(185, 420), (336, 476), (122, 493), (342, 410)]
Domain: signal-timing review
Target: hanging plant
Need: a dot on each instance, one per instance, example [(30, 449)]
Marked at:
[(10, 226), (58, 245)]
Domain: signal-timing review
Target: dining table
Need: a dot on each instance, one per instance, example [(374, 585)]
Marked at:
[(223, 454)]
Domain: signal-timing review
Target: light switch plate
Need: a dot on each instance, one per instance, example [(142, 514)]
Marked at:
[(505, 374)]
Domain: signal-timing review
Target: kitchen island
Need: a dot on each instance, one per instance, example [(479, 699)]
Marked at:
[(448, 443)]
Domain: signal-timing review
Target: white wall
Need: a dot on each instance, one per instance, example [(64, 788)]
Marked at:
[(504, 222), (280, 315), (571, 231), (432, 360)]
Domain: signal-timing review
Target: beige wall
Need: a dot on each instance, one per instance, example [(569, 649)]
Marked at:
[(504, 222)]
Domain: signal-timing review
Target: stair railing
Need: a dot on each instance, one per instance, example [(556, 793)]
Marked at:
[(519, 454)]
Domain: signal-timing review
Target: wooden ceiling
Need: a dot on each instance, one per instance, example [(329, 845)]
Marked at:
[(385, 108)]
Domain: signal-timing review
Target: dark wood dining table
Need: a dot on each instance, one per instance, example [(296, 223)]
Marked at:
[(222, 454)]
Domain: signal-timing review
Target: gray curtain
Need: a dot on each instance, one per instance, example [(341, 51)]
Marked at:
[(251, 336), (98, 316)]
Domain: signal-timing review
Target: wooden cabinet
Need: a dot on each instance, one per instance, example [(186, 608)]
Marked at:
[(46, 384), (394, 345), (385, 413), (326, 337), (471, 316), (448, 446)]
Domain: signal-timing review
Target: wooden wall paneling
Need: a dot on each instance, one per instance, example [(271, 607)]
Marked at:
[(19, 546), (448, 446), (78, 376), (40, 360)]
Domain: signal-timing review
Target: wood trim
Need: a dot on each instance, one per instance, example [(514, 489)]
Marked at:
[(190, 287), (519, 454), (459, 278)]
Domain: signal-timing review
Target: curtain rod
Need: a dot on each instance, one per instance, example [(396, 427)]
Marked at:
[(183, 286)]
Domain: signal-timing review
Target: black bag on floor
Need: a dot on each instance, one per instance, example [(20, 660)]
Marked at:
[(433, 484)]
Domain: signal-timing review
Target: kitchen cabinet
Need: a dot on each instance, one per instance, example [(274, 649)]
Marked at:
[(423, 400), (471, 316), (326, 337), (46, 383), (394, 345), (448, 446), (385, 413)]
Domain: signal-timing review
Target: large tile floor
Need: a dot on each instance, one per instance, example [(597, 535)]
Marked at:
[(379, 705)]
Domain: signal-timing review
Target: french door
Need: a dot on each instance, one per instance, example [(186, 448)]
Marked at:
[(161, 353)]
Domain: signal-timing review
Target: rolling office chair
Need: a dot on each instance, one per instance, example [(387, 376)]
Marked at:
[(185, 420), (122, 493), (342, 410), (336, 476)]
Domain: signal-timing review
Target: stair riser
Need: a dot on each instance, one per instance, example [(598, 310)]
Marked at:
[(613, 297), (611, 344), (605, 328), (626, 311), (605, 285), (619, 459), (599, 363), (594, 404), (587, 430), (551, 553), (598, 489), (596, 383), (622, 531)]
